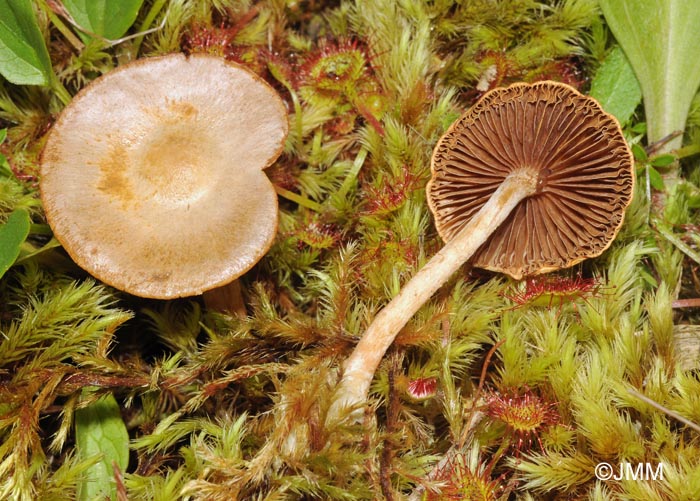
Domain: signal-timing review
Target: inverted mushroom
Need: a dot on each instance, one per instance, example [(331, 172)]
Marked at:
[(531, 179), (152, 178)]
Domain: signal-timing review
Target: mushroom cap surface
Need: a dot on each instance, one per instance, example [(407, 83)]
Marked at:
[(584, 167), (152, 178)]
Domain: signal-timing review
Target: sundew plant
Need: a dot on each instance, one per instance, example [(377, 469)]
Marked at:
[(496, 389)]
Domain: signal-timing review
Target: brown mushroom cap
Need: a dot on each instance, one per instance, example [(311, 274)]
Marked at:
[(585, 176), (152, 178)]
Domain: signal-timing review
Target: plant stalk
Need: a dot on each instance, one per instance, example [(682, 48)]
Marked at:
[(65, 31), (60, 91), (226, 299), (359, 368), (146, 24)]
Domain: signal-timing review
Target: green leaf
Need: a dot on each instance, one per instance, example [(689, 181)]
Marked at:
[(5, 170), (663, 160), (672, 237), (639, 154), (660, 39), (26, 254), (12, 234), (655, 179), (99, 429), (108, 18), (24, 59), (615, 86), (4, 166), (640, 128), (647, 277)]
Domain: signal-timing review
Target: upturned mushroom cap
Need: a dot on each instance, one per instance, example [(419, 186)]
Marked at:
[(585, 176), (152, 178)]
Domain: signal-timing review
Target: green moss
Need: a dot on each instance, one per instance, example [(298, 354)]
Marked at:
[(222, 407)]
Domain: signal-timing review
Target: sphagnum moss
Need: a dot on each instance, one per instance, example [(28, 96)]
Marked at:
[(209, 399)]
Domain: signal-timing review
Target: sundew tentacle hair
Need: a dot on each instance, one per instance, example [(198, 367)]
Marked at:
[(550, 291), (525, 415), (336, 67), (465, 476), (342, 71)]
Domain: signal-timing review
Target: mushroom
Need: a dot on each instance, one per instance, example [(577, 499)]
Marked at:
[(531, 179), (152, 178)]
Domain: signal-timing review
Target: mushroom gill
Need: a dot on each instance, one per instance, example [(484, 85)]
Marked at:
[(578, 154)]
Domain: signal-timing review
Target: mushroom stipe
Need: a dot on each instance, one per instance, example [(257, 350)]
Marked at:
[(152, 178), (533, 178)]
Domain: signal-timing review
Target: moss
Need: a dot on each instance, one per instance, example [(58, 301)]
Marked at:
[(222, 407)]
